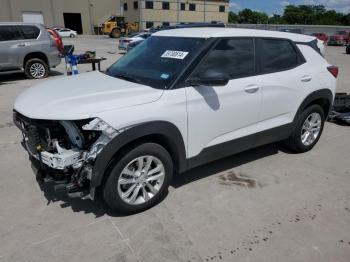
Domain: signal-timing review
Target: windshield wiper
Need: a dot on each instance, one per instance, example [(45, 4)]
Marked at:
[(128, 78)]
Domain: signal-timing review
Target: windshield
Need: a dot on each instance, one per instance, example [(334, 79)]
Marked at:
[(157, 61)]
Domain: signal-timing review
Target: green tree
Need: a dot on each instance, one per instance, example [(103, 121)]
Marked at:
[(232, 17), (276, 19), (313, 14), (248, 16)]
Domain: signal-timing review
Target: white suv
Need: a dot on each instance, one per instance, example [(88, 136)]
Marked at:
[(180, 99)]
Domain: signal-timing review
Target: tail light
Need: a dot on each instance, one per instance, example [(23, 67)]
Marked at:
[(334, 70)]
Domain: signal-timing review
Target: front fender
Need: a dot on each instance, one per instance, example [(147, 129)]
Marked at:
[(166, 130)]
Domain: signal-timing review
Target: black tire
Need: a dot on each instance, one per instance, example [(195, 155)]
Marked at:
[(348, 49), (110, 190), (294, 143), (72, 36), (115, 33), (37, 61)]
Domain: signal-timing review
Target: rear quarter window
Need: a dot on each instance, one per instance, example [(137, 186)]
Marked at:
[(29, 31), (277, 55)]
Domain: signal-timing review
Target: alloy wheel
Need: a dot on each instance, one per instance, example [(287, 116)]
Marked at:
[(141, 180), (311, 129), (37, 70)]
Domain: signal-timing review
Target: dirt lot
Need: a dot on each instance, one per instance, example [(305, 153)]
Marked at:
[(261, 205)]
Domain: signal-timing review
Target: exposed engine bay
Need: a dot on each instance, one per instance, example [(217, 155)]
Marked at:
[(64, 151)]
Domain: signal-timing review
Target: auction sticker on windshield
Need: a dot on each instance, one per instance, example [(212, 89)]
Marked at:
[(174, 54)]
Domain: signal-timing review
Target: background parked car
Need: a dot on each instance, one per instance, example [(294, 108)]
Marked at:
[(291, 30), (27, 47), (66, 32), (124, 42), (133, 45), (321, 36), (186, 25), (57, 38), (340, 38)]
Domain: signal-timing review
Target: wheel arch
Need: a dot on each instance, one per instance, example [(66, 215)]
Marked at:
[(161, 132), (322, 97), (39, 55)]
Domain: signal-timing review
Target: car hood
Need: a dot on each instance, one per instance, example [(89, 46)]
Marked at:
[(82, 96)]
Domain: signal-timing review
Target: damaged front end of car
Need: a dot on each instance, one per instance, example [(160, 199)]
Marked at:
[(64, 151)]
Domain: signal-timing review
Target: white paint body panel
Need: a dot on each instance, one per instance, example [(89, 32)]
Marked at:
[(220, 114), (82, 96), (205, 116)]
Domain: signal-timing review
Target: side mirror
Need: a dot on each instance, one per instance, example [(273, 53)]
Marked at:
[(210, 77)]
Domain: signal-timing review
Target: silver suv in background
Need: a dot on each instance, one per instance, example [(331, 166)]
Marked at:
[(27, 47)]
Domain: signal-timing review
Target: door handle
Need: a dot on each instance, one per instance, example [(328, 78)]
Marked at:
[(22, 45), (306, 79), (251, 89)]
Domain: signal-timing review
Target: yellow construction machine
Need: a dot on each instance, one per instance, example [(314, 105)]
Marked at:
[(115, 26)]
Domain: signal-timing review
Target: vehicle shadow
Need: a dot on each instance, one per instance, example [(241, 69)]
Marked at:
[(12, 78), (98, 208), (76, 204), (224, 164)]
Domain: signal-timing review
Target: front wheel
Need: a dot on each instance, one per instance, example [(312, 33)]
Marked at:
[(115, 33), (139, 179), (309, 127)]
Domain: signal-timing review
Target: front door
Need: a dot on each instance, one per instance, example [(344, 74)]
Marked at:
[(220, 114)]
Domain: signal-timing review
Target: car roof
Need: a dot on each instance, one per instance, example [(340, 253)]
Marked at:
[(209, 32), (19, 23)]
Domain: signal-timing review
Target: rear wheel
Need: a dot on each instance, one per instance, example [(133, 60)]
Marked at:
[(308, 130), (115, 33), (36, 68), (72, 36), (139, 179)]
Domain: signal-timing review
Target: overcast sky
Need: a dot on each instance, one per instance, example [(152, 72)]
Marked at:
[(276, 6)]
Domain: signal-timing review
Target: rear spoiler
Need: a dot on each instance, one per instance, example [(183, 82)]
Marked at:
[(315, 44)]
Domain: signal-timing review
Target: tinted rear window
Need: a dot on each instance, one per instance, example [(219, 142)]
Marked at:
[(29, 31), (277, 55), (9, 32)]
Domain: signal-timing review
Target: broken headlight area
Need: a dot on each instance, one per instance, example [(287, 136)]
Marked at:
[(65, 151)]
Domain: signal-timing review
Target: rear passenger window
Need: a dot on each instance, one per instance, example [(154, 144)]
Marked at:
[(29, 31), (8, 33), (233, 56), (277, 55)]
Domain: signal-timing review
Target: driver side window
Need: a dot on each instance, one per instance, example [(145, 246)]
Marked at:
[(234, 57)]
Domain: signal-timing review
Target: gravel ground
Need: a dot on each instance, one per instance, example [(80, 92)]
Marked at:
[(260, 205)]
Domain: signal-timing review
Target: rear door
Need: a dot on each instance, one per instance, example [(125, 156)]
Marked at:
[(11, 40), (283, 78)]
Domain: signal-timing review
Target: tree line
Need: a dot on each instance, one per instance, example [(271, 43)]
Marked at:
[(301, 14)]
